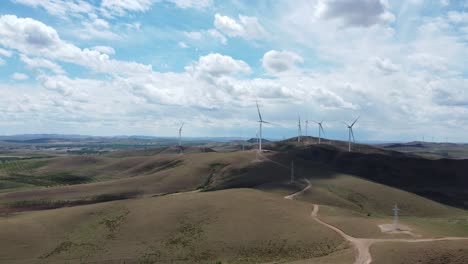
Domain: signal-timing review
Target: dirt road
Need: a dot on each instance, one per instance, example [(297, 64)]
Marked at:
[(362, 245)]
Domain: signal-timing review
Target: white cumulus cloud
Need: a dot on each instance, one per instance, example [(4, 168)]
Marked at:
[(355, 12), (228, 25), (280, 61), (104, 49), (217, 65), (247, 27), (33, 37), (36, 63)]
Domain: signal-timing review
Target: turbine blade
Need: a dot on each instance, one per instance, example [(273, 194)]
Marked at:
[(321, 128), (180, 129), (269, 123), (355, 121), (352, 134), (346, 124), (259, 115)]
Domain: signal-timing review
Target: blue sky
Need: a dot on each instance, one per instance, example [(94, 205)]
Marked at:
[(142, 67)]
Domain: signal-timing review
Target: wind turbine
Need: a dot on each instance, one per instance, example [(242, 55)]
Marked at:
[(320, 129), (299, 129), (307, 127), (350, 133), (260, 121)]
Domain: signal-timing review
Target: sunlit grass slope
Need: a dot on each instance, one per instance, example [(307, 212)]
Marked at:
[(232, 226)]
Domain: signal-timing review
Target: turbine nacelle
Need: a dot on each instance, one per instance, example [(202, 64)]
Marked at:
[(320, 127)]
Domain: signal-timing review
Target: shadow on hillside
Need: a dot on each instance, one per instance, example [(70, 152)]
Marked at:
[(442, 180)]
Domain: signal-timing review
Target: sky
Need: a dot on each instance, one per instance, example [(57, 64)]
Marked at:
[(143, 67)]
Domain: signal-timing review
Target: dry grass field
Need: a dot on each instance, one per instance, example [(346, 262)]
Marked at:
[(232, 226), (144, 175), (440, 252), (156, 206)]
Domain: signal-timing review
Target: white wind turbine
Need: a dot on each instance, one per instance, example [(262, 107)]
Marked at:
[(350, 133), (320, 129), (307, 127), (299, 129), (261, 122)]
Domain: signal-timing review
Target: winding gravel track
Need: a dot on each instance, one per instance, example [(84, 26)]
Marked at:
[(362, 245)]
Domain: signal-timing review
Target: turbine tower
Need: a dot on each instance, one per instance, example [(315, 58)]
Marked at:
[(260, 121), (299, 129), (395, 217), (256, 136), (258, 143), (292, 171), (320, 129), (350, 133)]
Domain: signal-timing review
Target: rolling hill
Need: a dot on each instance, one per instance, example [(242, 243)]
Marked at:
[(151, 205), (232, 226)]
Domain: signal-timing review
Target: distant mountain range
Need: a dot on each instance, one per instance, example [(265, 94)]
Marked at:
[(255, 140), (45, 138), (48, 138)]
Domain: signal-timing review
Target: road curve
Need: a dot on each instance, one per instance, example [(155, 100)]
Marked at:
[(362, 245), (292, 196)]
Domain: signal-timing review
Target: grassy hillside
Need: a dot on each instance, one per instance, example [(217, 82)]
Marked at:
[(158, 151), (370, 198), (358, 206), (73, 178), (196, 208), (440, 252), (231, 226), (146, 175), (431, 149), (442, 180)]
